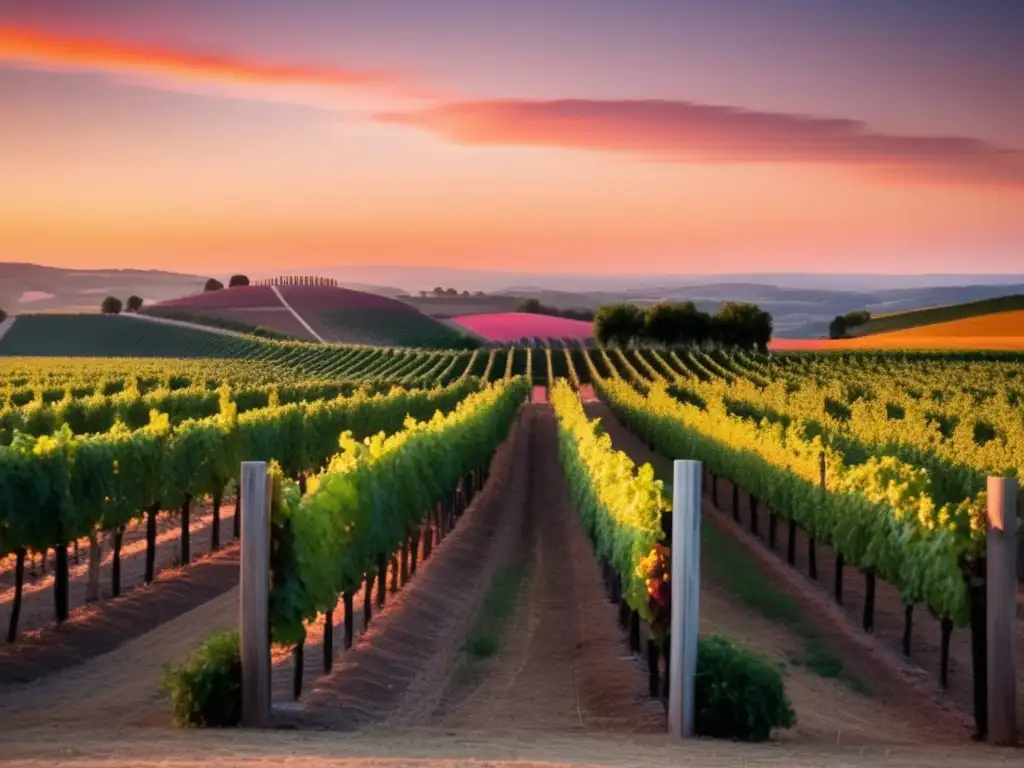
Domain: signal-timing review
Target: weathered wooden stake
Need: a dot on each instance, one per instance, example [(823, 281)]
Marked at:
[(685, 582), (254, 586), (1001, 601)]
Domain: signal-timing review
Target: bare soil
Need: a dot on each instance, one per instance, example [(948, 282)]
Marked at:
[(829, 710), (564, 665), (431, 748), (37, 604)]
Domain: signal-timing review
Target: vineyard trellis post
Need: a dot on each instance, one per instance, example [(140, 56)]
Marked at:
[(254, 588), (685, 596), (1001, 603)]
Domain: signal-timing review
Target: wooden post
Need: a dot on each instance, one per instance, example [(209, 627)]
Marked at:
[(1001, 600), (254, 588), (685, 581)]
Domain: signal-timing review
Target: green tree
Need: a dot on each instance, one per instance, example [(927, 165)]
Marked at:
[(532, 306), (859, 317), (619, 323), (237, 281), (837, 328), (111, 306), (739, 324), (134, 303), (213, 285), (676, 323)]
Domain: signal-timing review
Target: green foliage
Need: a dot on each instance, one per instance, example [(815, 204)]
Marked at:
[(111, 306), (837, 328), (619, 504), (676, 323), (534, 307), (206, 690), (737, 694), (370, 497), (856, 318), (618, 323), (739, 324), (880, 513)]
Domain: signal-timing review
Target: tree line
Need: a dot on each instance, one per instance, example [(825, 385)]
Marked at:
[(534, 307), (236, 281), (736, 324), (841, 324)]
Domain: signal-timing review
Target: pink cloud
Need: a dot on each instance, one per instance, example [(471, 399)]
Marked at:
[(679, 131)]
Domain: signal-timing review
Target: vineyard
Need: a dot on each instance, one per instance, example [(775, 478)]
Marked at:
[(845, 499)]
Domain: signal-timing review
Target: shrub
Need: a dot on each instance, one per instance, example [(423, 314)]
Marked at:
[(134, 303), (111, 306), (238, 280), (207, 689), (738, 695), (837, 328), (213, 285), (3, 315)]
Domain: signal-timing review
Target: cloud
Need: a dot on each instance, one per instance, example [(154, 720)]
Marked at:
[(684, 132), (180, 68)]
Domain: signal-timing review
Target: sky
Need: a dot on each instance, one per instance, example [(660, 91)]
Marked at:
[(650, 136)]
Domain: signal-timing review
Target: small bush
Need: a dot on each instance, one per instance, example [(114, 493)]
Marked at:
[(738, 695), (207, 689)]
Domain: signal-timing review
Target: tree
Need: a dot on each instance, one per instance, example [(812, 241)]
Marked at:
[(837, 328), (619, 323), (676, 323), (465, 293), (213, 285), (3, 315), (238, 280), (439, 291), (859, 317), (134, 303), (111, 306), (532, 306), (739, 324), (451, 292)]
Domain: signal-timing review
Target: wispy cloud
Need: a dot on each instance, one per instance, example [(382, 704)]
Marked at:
[(186, 69), (679, 131)]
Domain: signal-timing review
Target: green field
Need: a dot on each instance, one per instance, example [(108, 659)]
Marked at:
[(915, 318)]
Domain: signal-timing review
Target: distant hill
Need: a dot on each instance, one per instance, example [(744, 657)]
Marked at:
[(31, 288)]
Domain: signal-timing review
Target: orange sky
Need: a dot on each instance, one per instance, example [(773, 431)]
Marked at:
[(124, 152)]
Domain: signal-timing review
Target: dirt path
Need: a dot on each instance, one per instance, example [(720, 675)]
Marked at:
[(862, 705), (564, 664)]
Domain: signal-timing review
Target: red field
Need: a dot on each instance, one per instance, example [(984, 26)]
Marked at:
[(513, 326)]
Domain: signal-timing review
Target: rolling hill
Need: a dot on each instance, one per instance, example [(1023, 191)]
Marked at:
[(943, 316), (317, 313)]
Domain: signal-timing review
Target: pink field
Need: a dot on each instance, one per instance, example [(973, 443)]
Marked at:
[(512, 326)]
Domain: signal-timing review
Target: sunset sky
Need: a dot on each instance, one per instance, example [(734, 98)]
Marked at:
[(656, 136)]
